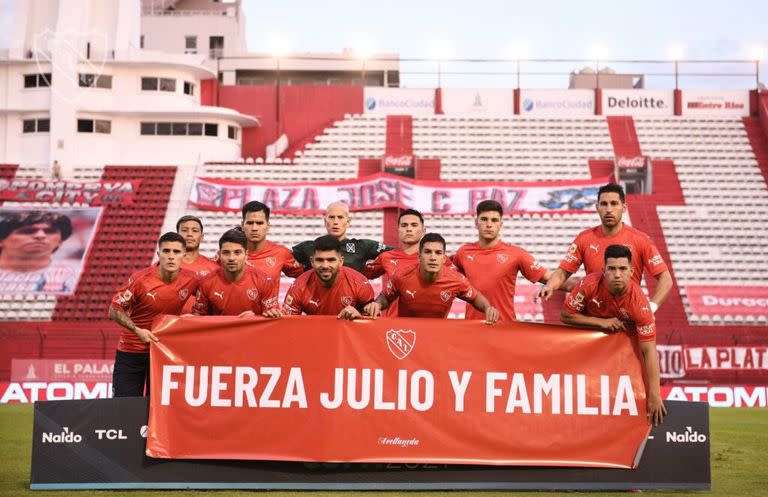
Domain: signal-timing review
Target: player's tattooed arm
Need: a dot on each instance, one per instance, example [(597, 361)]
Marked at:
[(124, 320)]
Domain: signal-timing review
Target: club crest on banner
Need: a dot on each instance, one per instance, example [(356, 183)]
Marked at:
[(401, 342)]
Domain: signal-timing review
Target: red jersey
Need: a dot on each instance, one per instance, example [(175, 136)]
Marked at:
[(589, 248), (254, 291), (274, 258), (202, 266), (493, 271), (419, 298), (146, 296), (309, 296), (387, 263), (591, 298)]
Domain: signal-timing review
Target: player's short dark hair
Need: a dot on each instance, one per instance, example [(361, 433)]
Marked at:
[(410, 212), (172, 236), (184, 219), (431, 237), (234, 236), (490, 205), (611, 188), (18, 219), (327, 242), (256, 206), (617, 251)]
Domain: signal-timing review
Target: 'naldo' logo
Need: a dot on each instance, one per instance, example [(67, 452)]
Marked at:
[(688, 435), (370, 103), (527, 105)]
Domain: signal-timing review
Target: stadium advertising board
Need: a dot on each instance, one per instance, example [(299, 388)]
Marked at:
[(716, 103), (384, 190), (478, 102), (638, 102), (68, 192), (711, 300), (99, 444), (403, 101), (395, 390), (42, 251), (80, 370), (557, 102)]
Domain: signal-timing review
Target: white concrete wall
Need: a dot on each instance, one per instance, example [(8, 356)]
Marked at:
[(167, 33)]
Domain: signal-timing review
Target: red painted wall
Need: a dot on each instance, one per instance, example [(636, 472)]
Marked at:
[(303, 109), (208, 89)]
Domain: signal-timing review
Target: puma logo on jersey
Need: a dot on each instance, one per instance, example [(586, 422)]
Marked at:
[(597, 302), (393, 262), (644, 308), (153, 295), (412, 294), (315, 303), (219, 294), (471, 257), (595, 248)]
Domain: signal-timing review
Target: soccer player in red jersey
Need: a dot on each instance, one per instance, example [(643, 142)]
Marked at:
[(428, 289), (589, 248), (492, 265), (329, 288), (162, 288), (612, 300), (236, 289), (191, 229), (264, 255)]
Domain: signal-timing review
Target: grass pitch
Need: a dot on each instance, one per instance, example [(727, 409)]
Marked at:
[(739, 444)]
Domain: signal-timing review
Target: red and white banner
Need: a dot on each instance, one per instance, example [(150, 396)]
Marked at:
[(728, 300), (404, 101), (677, 361), (638, 102), (715, 103), (68, 192), (478, 102), (557, 102), (395, 390), (385, 190), (87, 370)]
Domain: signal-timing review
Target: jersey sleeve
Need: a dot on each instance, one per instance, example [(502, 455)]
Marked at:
[(372, 249), (375, 268), (126, 297), (390, 289), (364, 292), (573, 257), (643, 317), (652, 259), (466, 292), (301, 253), (578, 298), (456, 261), (292, 304), (292, 267), (269, 289), (530, 267)]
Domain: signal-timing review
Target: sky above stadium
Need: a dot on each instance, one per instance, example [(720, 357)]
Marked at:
[(488, 29)]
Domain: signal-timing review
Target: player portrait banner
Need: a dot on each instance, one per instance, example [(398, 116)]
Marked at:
[(395, 390), (384, 190), (43, 251), (69, 192)]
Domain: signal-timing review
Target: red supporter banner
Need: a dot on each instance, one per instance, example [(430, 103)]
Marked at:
[(395, 390), (383, 190), (88, 370), (728, 300), (68, 192)]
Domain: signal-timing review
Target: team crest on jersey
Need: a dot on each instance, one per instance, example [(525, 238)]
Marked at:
[(346, 300), (183, 294), (125, 297), (401, 342), (288, 299), (350, 248), (271, 261), (445, 295), (252, 293), (502, 258), (202, 273)]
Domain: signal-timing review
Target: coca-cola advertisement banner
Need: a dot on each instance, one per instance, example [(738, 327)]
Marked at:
[(716, 103), (478, 101), (399, 165), (557, 102), (638, 102), (383, 190), (706, 300), (43, 251), (637, 162), (93, 193), (403, 101), (395, 390)]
